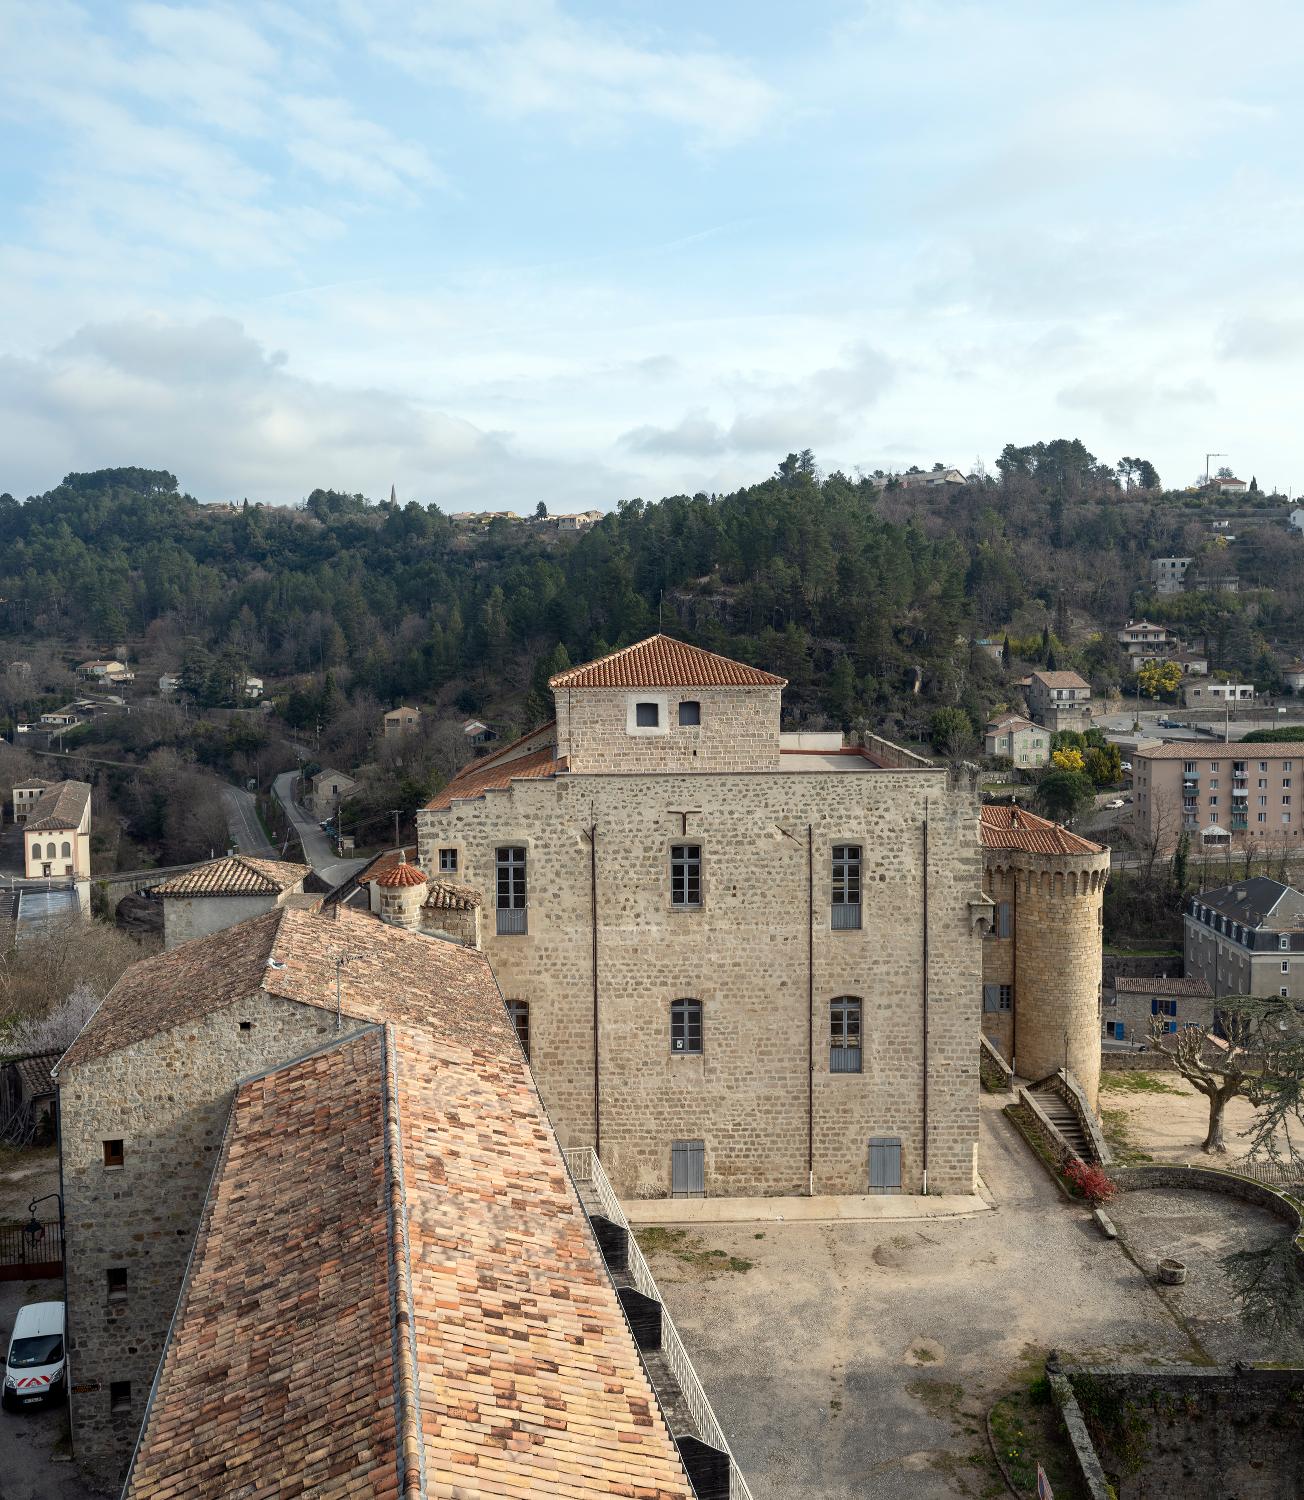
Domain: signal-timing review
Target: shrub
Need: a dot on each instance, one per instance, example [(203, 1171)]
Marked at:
[(1091, 1183)]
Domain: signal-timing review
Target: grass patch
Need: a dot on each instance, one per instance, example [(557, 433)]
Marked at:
[(940, 1398), (1027, 1430), (658, 1239), (1137, 1083), (1118, 1132)]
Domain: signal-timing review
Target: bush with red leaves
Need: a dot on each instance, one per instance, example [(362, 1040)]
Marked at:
[(1089, 1182)]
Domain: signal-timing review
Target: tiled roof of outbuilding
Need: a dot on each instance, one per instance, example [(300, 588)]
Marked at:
[(390, 975), (236, 875), (474, 780), (1060, 680), (1133, 984), (661, 661), (401, 873), (494, 1359), (1016, 828), (445, 896)]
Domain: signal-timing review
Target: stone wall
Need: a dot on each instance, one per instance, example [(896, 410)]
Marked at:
[(186, 917), (1116, 965), (739, 730), (166, 1099), (744, 955), (1187, 1434)]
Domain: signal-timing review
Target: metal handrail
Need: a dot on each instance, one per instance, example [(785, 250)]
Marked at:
[(585, 1167)]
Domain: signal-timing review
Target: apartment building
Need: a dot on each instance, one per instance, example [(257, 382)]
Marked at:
[(1059, 700), (720, 942), (1220, 794), (1247, 939), (1140, 638), (1168, 574)]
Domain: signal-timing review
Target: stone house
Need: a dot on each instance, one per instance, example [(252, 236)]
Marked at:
[(1293, 676), (1216, 694), (224, 892), (57, 831), (1246, 939), (713, 933), (401, 720), (145, 1093), (27, 795), (1168, 574), (580, 521), (328, 788), (168, 683), (1134, 1003), (1041, 969), (1025, 744), (1059, 700)]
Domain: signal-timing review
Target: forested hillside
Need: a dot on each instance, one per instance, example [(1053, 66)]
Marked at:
[(866, 597)]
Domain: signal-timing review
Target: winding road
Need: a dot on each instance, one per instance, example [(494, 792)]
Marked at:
[(242, 819), (317, 848)]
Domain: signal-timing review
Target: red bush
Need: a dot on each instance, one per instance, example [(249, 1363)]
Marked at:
[(1091, 1183)]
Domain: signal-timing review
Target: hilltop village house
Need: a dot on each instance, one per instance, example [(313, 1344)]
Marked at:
[(1042, 958), (1060, 700), (224, 892), (744, 962), (1222, 795), (305, 1157), (56, 819), (1025, 744)]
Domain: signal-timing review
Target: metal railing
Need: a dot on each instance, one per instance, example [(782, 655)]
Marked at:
[(511, 921), (845, 916), (585, 1167)]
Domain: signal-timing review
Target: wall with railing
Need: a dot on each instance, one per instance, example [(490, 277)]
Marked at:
[(586, 1168)]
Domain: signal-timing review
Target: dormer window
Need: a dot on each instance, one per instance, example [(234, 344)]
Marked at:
[(647, 715)]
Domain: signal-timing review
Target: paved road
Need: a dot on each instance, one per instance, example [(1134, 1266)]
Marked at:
[(318, 850), (1121, 724), (242, 819)]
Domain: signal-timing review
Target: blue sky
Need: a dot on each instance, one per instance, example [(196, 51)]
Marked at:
[(522, 250)]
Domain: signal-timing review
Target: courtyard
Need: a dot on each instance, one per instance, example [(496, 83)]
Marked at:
[(856, 1358)]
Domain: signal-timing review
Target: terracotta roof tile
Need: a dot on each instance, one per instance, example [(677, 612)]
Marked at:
[(1060, 680), (391, 974), (473, 782), (1198, 750), (1143, 985), (661, 661), (492, 1360), (446, 896), (236, 875), (60, 805), (401, 873), (1016, 828), (35, 1073)]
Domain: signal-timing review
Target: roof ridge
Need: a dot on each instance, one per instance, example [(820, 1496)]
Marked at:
[(742, 673)]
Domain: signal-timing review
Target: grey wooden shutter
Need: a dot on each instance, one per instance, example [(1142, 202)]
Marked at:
[(991, 997), (688, 1169), (884, 1164)]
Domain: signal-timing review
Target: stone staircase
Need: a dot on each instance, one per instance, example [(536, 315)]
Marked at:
[(1065, 1120)]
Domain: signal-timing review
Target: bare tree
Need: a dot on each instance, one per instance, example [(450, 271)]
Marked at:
[(40, 973), (57, 1029)]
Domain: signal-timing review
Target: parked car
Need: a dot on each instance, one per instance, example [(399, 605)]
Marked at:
[(1116, 802), (35, 1368), (1166, 723), (1125, 765)]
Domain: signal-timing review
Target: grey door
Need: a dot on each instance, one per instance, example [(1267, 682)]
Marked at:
[(688, 1169), (884, 1164)]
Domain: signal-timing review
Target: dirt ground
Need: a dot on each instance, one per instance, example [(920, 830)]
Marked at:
[(25, 1175), (860, 1358), (1160, 1117)]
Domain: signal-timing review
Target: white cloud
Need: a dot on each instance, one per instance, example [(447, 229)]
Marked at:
[(520, 58), (1258, 337), (1135, 403), (209, 403)]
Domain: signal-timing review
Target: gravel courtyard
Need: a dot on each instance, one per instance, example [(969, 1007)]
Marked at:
[(860, 1357)]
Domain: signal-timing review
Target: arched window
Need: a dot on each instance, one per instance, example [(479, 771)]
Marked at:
[(686, 1026), (49, 851), (66, 850), (844, 1034)]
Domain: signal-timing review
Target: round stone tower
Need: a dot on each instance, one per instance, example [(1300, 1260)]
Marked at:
[(402, 890), (1049, 885)]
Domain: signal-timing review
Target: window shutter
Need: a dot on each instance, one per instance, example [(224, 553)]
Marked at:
[(991, 996), (1003, 920)]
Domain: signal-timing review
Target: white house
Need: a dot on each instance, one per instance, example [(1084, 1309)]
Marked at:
[(57, 830), (253, 687), (1231, 486), (1293, 676), (168, 683), (1024, 743), (1142, 638)]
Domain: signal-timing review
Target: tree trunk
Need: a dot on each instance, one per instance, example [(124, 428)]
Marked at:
[(1214, 1140)]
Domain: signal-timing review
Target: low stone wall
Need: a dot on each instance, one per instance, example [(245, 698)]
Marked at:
[(1140, 1433), (1206, 1179), (1037, 1124), (1155, 1060), (897, 756), (996, 1074)]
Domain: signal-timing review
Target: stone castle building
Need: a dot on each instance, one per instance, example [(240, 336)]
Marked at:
[(1042, 959), (742, 961)]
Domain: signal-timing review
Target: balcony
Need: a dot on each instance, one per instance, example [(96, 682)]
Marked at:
[(511, 921), (679, 1392), (1240, 823)]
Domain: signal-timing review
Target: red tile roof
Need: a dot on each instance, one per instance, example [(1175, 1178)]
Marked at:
[(1143, 985), (427, 1313), (475, 780), (1016, 828), (1199, 750), (60, 805), (661, 661), (1060, 680), (402, 873), (237, 875)]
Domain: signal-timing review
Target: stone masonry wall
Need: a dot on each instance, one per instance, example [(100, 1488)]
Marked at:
[(743, 954), (186, 917), (998, 964), (166, 1098), (739, 730)]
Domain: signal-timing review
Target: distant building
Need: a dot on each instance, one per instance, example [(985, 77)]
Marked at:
[(1293, 676), (57, 832), (329, 789), (477, 733), (1192, 663), (1231, 486), (26, 795), (1213, 581), (1205, 694), (1247, 938), (1168, 574), (21, 668), (253, 687), (101, 669), (1142, 638), (1060, 700), (1133, 1004), (62, 718), (225, 891), (578, 522), (1024, 743), (1220, 794), (401, 720), (169, 683)]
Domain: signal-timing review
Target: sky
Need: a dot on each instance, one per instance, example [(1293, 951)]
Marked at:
[(523, 250)]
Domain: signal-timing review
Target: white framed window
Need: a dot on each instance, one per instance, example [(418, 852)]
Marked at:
[(1285, 966), (448, 861), (1283, 942), (647, 713)]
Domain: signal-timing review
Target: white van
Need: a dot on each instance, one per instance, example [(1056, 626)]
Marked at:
[(34, 1366)]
